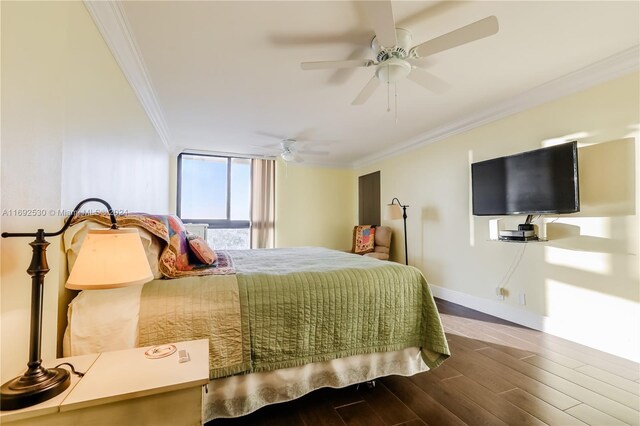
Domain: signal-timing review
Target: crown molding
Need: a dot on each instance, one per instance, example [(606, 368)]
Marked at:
[(615, 66), (112, 23)]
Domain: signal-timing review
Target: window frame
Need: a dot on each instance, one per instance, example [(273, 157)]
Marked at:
[(213, 223)]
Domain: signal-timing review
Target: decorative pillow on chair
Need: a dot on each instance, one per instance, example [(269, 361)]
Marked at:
[(363, 239), (201, 249)]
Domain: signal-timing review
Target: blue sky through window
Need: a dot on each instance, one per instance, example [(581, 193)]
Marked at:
[(240, 189), (204, 188)]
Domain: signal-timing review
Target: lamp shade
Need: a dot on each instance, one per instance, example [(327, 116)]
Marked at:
[(393, 212), (110, 258)]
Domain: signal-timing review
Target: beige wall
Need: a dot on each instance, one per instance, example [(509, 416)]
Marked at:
[(314, 206), (582, 284), (71, 128)]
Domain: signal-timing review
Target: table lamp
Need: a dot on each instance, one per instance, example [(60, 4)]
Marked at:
[(108, 258)]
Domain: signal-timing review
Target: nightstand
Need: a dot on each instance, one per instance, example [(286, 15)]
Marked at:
[(43, 410), (126, 388)]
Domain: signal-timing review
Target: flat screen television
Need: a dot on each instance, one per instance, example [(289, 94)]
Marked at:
[(534, 182)]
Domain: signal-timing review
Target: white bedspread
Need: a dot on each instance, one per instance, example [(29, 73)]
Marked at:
[(282, 261)]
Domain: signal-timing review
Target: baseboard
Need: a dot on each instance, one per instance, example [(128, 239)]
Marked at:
[(519, 316), (500, 310)]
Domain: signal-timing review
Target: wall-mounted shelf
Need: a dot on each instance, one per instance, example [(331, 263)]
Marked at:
[(519, 241)]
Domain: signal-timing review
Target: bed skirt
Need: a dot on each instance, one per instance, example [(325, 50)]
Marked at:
[(243, 394)]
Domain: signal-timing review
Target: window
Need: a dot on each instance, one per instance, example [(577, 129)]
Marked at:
[(216, 191)]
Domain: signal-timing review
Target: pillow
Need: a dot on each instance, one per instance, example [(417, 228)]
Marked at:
[(201, 249), (363, 239)]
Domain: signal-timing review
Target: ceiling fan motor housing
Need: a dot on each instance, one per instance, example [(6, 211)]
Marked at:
[(392, 65), (286, 144), (400, 50)]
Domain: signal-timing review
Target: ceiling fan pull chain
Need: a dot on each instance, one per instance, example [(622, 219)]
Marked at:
[(395, 89), (388, 91), (388, 97)]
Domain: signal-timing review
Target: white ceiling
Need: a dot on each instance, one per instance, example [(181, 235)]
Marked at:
[(225, 74)]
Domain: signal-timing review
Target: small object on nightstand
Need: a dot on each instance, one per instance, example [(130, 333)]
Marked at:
[(160, 351), (183, 356)]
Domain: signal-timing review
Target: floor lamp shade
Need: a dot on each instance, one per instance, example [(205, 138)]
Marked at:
[(110, 258), (397, 211), (393, 212)]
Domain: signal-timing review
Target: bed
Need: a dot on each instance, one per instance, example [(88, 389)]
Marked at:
[(281, 322)]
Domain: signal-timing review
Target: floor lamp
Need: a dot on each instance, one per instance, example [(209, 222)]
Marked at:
[(393, 213), (108, 258)]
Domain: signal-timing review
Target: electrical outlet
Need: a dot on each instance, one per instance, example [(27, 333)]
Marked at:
[(522, 298)]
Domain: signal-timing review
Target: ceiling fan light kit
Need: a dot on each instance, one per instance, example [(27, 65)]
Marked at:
[(288, 156), (392, 70)]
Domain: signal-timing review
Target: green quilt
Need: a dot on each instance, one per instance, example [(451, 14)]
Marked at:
[(298, 306), (307, 317)]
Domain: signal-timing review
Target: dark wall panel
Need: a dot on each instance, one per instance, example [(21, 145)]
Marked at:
[(369, 199)]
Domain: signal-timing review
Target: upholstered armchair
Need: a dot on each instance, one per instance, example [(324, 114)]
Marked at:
[(382, 243)]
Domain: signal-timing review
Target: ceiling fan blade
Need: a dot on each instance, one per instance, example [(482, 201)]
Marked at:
[(351, 63), (428, 81), (421, 62), (270, 135), (342, 75), (431, 11), (380, 16), (472, 32), (288, 155), (348, 37), (311, 152), (305, 134), (367, 91), (270, 147)]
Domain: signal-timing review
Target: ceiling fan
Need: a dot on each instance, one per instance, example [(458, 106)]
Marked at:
[(394, 55), (290, 151)]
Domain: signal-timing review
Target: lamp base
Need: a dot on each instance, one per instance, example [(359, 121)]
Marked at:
[(33, 388)]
